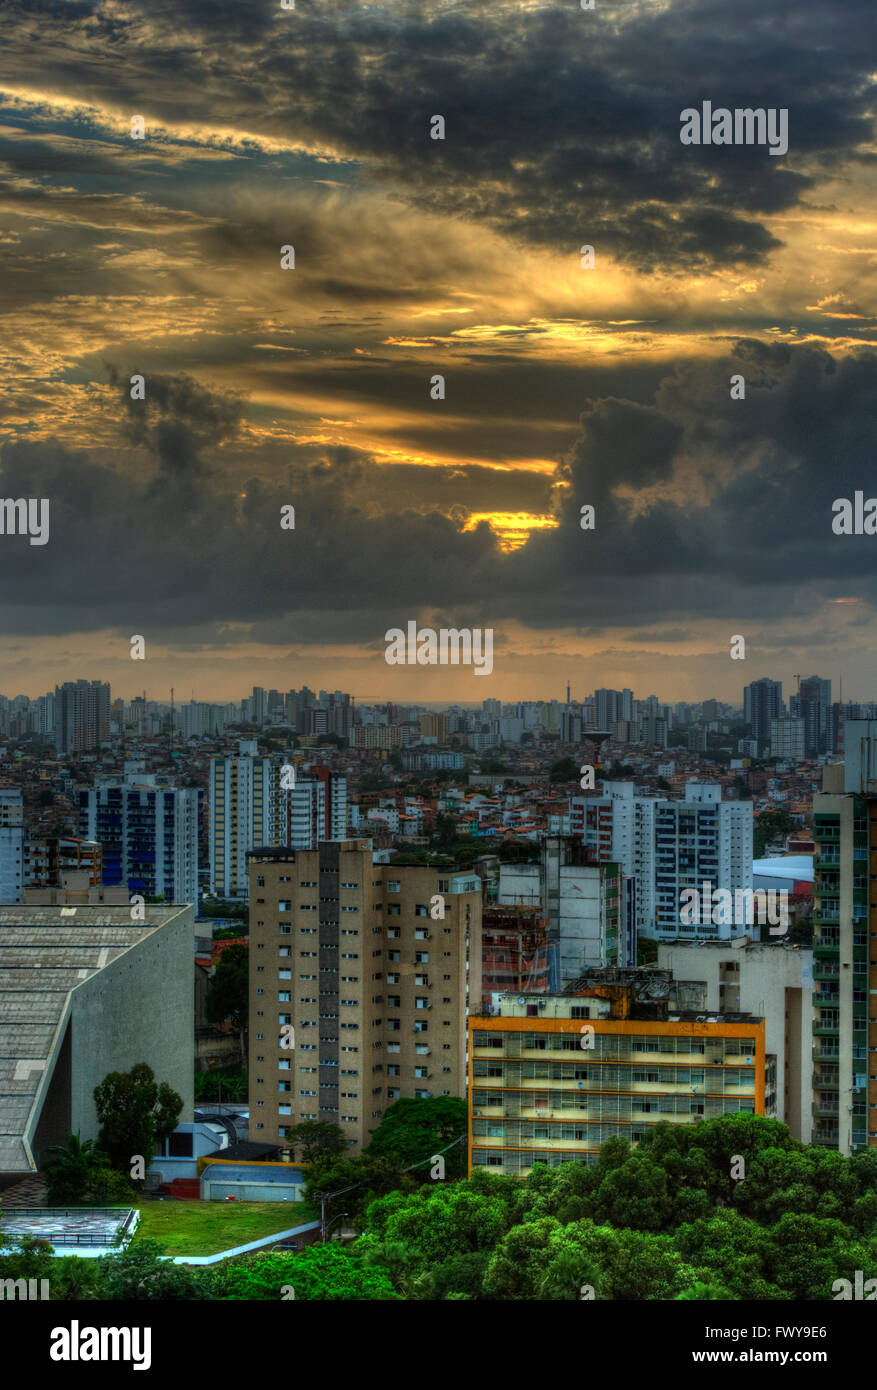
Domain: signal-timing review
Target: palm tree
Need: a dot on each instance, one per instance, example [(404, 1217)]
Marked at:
[(71, 1169)]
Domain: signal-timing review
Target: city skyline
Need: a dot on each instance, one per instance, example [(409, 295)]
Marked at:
[(234, 693)]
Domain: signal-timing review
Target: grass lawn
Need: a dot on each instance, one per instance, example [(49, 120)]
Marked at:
[(205, 1228)]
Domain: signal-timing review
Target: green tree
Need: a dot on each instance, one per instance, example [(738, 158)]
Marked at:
[(135, 1111), (805, 1255), (564, 770), (317, 1139), (444, 831), (413, 1130), (228, 994), (768, 825), (325, 1273), (139, 1273), (72, 1169), (431, 1224)]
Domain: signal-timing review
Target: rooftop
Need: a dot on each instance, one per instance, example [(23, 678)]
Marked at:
[(46, 953)]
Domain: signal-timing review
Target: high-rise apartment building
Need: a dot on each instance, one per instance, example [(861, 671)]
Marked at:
[(787, 739), (619, 827), (845, 946), (315, 810), (553, 1077), (11, 844), (433, 726), (762, 702), (82, 715), (701, 839), (668, 846), (241, 804), (148, 836), (251, 807), (358, 995), (812, 704)]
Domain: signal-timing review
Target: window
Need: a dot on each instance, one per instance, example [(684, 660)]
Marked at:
[(285, 905), (394, 910), (394, 885), (283, 997), (285, 930)]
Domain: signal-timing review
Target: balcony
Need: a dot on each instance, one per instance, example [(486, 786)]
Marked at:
[(826, 1080), (824, 1108), (825, 1030)]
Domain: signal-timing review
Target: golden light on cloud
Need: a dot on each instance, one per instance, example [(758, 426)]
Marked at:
[(512, 528)]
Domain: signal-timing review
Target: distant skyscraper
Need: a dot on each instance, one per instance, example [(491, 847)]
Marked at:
[(762, 702), (258, 706), (606, 712), (813, 704), (787, 740), (82, 715)]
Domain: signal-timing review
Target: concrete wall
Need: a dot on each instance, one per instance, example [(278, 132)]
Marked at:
[(138, 1008), (773, 982)]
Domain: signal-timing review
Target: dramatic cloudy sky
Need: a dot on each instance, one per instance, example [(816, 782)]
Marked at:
[(311, 127)]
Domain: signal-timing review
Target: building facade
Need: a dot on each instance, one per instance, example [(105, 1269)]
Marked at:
[(358, 995), (11, 844), (547, 1087), (148, 836), (82, 715)]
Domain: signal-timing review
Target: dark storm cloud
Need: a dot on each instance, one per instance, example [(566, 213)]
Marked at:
[(174, 546), (760, 543), (563, 125)]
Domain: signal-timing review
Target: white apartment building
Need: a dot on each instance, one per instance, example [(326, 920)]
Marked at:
[(668, 846), (787, 739), (250, 809)]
